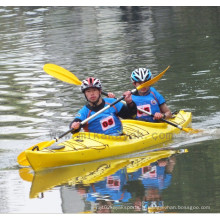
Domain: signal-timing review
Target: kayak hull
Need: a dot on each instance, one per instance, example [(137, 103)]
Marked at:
[(85, 146)]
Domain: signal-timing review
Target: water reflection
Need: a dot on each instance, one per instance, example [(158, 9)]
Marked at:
[(111, 185)]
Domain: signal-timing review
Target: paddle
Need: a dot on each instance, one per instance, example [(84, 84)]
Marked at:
[(188, 130), (22, 160), (61, 74), (68, 77)]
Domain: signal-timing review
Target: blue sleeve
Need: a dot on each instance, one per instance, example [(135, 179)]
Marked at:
[(159, 97), (119, 106), (82, 113)]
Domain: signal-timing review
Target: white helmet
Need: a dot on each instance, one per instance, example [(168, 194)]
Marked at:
[(141, 75)]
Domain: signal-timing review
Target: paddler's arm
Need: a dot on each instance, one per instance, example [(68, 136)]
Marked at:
[(164, 113), (75, 124), (129, 110)]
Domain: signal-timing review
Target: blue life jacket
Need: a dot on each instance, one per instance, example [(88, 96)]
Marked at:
[(156, 178), (152, 176), (150, 103), (105, 123), (111, 188)]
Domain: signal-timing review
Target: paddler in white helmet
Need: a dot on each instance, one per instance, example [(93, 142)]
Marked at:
[(148, 99)]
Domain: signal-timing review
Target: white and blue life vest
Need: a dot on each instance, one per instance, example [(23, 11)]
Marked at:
[(150, 102), (105, 123)]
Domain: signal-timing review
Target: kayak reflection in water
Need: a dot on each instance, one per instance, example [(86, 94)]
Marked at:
[(148, 98), (124, 191), (107, 122)]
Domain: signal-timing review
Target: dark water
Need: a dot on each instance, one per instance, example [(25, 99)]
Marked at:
[(109, 42)]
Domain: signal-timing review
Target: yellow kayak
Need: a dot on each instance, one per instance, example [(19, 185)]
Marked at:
[(88, 173), (85, 146)]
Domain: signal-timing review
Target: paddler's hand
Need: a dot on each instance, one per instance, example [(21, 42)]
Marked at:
[(127, 96), (158, 116), (111, 95), (75, 125)]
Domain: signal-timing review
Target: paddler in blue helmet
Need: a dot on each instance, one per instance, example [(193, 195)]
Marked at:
[(108, 122), (148, 99)]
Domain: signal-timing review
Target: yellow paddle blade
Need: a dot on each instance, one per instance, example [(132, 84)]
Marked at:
[(61, 74), (152, 81), (22, 160), (191, 130)]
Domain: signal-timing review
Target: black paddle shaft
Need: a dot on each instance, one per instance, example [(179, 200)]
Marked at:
[(62, 135)]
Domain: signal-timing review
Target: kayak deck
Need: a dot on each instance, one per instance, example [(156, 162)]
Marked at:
[(86, 146)]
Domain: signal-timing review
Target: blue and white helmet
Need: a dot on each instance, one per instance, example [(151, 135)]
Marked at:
[(141, 75)]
